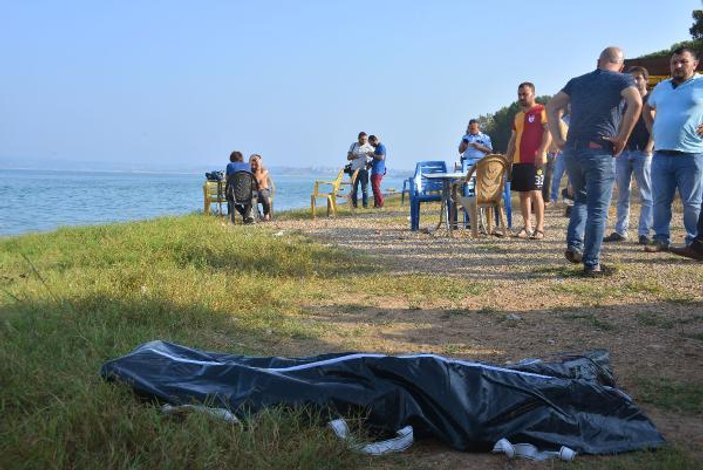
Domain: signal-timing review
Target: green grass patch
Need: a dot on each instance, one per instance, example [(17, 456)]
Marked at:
[(74, 298), (679, 397)]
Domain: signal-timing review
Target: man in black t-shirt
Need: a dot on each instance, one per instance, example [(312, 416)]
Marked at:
[(635, 159), (598, 132)]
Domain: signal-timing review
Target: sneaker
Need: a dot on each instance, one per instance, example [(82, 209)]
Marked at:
[(657, 246), (614, 237), (599, 270), (688, 252), (573, 255), (644, 240)]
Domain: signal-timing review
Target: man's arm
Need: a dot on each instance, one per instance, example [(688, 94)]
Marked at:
[(482, 148), (463, 146), (509, 154), (379, 156), (633, 100), (648, 113), (546, 142), (554, 110)]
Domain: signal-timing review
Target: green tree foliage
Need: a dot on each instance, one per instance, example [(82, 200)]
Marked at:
[(697, 29), (696, 43), (499, 124)]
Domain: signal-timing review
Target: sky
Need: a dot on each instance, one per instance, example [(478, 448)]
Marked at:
[(177, 85)]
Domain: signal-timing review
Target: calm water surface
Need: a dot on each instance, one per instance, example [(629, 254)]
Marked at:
[(33, 200)]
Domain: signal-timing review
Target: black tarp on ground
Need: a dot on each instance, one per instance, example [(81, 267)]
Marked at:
[(468, 405)]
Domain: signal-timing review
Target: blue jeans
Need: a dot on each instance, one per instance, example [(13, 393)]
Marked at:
[(671, 172), (363, 179), (634, 161), (592, 174), (557, 174)]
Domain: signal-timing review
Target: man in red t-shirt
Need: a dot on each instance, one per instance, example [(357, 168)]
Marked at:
[(527, 151)]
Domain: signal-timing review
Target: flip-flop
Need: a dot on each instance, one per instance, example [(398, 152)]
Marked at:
[(523, 233), (537, 235)]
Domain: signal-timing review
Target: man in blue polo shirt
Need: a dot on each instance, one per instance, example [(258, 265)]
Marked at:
[(598, 132), (674, 113), (474, 145)]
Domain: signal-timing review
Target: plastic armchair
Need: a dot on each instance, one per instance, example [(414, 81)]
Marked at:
[(424, 190), (467, 190), (407, 182), (491, 172), (331, 190)]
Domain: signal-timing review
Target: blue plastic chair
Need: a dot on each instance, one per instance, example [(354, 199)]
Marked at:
[(407, 182), (507, 199), (423, 189)]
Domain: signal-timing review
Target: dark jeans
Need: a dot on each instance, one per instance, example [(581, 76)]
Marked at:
[(265, 200), (548, 172), (592, 174), (363, 179), (246, 211)]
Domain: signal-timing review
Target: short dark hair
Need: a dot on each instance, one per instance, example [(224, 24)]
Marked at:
[(529, 85), (361, 134), (373, 137), (639, 69), (682, 49), (236, 156), (474, 121)]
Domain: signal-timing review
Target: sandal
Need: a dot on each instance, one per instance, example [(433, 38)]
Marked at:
[(523, 233), (537, 235)]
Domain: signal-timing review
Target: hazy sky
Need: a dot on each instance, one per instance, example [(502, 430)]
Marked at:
[(179, 84)]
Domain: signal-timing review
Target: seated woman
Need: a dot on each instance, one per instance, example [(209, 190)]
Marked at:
[(262, 179)]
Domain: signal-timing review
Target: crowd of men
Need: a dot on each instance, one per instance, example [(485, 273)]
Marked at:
[(616, 129)]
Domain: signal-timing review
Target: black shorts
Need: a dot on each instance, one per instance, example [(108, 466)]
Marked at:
[(526, 177)]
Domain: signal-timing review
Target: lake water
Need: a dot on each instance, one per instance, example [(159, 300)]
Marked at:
[(32, 200)]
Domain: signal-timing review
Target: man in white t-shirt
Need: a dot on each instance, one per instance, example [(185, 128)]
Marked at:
[(358, 153)]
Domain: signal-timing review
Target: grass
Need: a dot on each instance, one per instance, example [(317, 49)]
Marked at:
[(76, 297), (679, 397)]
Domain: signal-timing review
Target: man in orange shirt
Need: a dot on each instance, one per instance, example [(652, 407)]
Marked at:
[(527, 151)]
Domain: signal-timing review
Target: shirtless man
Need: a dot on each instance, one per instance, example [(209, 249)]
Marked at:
[(262, 180)]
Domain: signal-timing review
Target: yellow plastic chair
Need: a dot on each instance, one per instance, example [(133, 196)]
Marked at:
[(491, 173), (330, 190), (214, 192)]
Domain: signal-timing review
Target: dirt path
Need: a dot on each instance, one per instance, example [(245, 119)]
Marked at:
[(531, 303)]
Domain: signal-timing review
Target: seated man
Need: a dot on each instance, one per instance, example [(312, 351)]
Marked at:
[(262, 181), (237, 165)]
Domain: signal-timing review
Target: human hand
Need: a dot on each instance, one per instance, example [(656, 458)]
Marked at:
[(618, 144)]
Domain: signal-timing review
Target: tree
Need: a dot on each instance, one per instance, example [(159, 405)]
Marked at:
[(697, 29)]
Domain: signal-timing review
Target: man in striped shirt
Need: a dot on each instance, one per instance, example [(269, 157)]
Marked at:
[(527, 150)]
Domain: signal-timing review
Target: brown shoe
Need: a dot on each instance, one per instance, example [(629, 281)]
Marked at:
[(688, 252), (656, 247)]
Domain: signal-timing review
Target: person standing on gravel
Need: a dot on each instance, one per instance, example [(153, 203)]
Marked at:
[(378, 170), (674, 114), (637, 159), (527, 151), (598, 132)]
